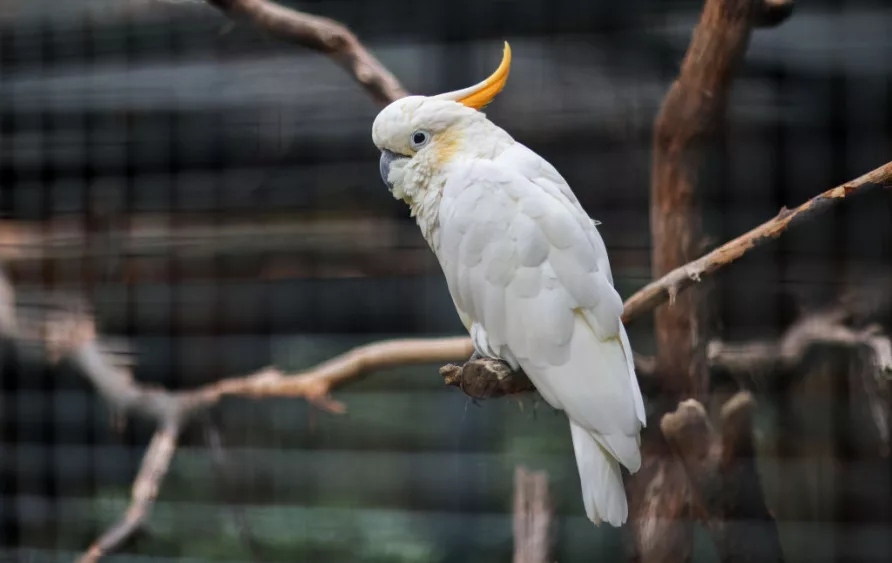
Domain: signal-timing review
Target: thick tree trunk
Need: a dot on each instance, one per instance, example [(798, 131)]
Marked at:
[(666, 494)]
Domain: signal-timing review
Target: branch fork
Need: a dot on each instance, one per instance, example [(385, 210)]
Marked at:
[(725, 484)]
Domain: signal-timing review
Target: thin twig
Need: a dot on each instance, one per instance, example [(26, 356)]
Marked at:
[(155, 464), (322, 34), (669, 286)]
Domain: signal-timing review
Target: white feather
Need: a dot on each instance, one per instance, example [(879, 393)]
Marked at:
[(603, 494), (541, 289), (636, 391), (527, 282)]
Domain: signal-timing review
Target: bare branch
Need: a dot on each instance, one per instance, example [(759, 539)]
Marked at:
[(69, 333), (823, 328), (669, 286), (148, 482), (532, 517), (73, 335), (322, 34), (751, 362), (727, 492), (316, 384)]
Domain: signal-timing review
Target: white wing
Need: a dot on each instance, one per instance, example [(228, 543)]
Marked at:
[(523, 260)]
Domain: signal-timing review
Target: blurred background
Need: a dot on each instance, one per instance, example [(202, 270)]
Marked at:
[(215, 195)]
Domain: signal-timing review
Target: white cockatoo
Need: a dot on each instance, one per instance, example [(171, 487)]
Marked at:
[(526, 268)]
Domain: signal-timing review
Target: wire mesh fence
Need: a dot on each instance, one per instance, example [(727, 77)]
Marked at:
[(213, 194)]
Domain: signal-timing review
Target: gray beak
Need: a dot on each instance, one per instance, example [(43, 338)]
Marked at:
[(387, 157)]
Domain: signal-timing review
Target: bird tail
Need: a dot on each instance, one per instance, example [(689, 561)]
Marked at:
[(597, 388), (599, 474)]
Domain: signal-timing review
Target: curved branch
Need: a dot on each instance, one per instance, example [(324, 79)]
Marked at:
[(321, 34), (73, 336), (316, 384), (155, 464), (70, 333)]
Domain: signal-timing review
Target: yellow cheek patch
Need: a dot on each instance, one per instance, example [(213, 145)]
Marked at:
[(446, 145)]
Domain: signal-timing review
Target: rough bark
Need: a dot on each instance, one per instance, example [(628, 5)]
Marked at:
[(532, 517), (724, 482), (685, 128), (691, 114)]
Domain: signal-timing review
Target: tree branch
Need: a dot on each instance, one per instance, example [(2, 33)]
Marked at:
[(726, 488), (752, 362), (668, 287), (67, 331), (532, 517), (321, 34), (689, 117), (155, 464), (825, 328)]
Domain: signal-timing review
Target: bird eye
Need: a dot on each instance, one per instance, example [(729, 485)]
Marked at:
[(419, 139)]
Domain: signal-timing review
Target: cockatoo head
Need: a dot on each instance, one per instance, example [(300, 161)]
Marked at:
[(419, 135)]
